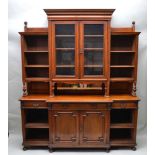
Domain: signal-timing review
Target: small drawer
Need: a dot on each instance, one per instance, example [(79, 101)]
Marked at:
[(79, 106), (124, 105), (34, 104)]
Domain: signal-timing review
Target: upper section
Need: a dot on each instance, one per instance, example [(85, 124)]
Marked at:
[(79, 14), (79, 53)]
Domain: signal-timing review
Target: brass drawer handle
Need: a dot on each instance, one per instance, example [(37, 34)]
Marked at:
[(64, 105), (123, 105), (35, 104), (94, 106)]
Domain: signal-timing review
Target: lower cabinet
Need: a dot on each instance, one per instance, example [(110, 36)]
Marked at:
[(79, 128), (79, 125)]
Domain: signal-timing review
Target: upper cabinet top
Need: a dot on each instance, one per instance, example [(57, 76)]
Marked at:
[(79, 14)]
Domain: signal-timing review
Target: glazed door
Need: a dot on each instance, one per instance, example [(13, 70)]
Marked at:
[(65, 128), (92, 128), (92, 49), (65, 49)]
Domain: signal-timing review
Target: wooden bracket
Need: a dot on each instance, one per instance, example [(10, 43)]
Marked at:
[(134, 89), (25, 93), (52, 84)]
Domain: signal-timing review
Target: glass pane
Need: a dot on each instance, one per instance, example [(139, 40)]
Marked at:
[(65, 57), (93, 29), (65, 71), (93, 70), (65, 42), (93, 58), (65, 45), (65, 29), (93, 42), (93, 53)]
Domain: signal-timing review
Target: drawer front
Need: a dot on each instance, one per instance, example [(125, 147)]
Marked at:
[(34, 104), (79, 106), (125, 105)]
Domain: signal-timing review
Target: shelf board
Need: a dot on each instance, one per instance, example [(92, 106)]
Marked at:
[(97, 66), (125, 33), (36, 51), (122, 66), (122, 51), (37, 66), (65, 35), (37, 125), (121, 142), (78, 88), (93, 49), (93, 35), (65, 66), (121, 125), (37, 79), (65, 49), (121, 79), (37, 142)]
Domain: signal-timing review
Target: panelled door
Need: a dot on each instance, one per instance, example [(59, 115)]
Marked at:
[(65, 126), (92, 49), (75, 128), (92, 128), (65, 49)]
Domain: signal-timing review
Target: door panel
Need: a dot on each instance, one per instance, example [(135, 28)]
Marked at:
[(92, 128), (92, 49), (65, 49), (65, 127)]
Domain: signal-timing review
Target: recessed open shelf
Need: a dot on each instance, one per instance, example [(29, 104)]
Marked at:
[(36, 115), (120, 134), (39, 58), (37, 72), (122, 42), (36, 43), (120, 87), (121, 116), (122, 58), (121, 72), (34, 87), (37, 134)]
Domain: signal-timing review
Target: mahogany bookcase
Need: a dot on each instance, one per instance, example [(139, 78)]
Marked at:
[(79, 81)]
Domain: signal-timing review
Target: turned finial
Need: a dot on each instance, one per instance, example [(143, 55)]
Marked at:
[(25, 25), (133, 25)]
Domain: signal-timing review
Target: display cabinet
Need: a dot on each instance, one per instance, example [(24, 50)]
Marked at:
[(79, 81)]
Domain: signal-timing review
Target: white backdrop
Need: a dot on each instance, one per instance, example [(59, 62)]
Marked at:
[(32, 11)]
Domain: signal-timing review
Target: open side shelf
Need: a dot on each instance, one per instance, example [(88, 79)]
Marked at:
[(37, 134)]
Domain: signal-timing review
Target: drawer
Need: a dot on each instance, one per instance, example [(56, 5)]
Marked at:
[(34, 104), (79, 106), (124, 105)]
